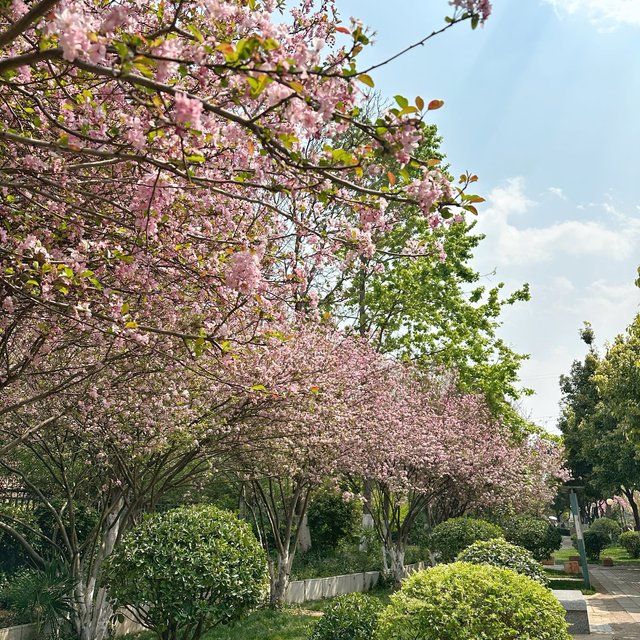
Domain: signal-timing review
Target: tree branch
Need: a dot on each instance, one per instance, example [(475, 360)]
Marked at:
[(20, 26)]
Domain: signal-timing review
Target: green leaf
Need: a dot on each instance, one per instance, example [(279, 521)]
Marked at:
[(123, 50), (402, 101)]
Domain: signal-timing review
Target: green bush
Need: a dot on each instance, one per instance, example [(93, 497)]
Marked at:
[(350, 617), (595, 542), (537, 535), (500, 553), (450, 537), (333, 520), (608, 526), (42, 596), (187, 570), (463, 601), (630, 540)]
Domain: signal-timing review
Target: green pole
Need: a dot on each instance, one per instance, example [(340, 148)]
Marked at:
[(581, 550)]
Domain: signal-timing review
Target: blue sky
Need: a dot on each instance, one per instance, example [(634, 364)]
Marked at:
[(543, 103)]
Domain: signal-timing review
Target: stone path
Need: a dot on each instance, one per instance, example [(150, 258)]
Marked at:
[(614, 612)]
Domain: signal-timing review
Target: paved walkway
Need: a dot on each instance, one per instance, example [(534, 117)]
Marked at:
[(614, 612)]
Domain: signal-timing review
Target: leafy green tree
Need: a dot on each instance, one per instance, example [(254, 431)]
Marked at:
[(436, 313), (416, 296), (579, 401), (618, 382), (619, 379), (598, 421), (333, 519)]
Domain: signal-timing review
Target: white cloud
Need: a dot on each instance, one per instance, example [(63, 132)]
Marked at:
[(602, 13), (580, 262), (557, 192), (513, 244), (610, 307), (542, 373)]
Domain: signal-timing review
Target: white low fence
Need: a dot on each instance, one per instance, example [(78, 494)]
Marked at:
[(300, 591), (22, 632), (30, 631)]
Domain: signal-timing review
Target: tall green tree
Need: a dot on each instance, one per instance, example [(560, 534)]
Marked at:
[(619, 379), (419, 298), (601, 451), (436, 312)]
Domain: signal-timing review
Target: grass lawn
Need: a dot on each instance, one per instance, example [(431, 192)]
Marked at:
[(266, 624), (562, 580), (618, 554), (288, 623)]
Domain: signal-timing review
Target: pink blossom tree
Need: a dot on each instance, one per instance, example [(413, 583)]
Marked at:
[(154, 159), (156, 171), (307, 421), (111, 446), (444, 454)]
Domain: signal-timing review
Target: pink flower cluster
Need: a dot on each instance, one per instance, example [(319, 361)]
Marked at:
[(188, 111), (481, 8), (244, 274)]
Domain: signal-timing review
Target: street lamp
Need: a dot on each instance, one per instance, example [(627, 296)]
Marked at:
[(575, 511)]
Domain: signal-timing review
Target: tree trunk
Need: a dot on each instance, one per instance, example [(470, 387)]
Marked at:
[(367, 489), (91, 614), (92, 609), (396, 555), (367, 516), (634, 509), (304, 536), (280, 572)]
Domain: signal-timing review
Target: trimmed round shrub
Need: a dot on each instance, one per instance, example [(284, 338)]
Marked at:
[(187, 570), (630, 540), (462, 601), (500, 553), (595, 542), (537, 535), (450, 537), (608, 526), (350, 617)]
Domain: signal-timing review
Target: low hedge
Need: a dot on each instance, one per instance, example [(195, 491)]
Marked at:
[(349, 617)]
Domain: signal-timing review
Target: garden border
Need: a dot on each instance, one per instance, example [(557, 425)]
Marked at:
[(300, 591)]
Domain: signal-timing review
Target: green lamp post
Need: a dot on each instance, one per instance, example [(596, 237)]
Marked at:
[(575, 511)]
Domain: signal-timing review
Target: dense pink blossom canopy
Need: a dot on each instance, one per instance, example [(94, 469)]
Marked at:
[(160, 163), (170, 179)]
